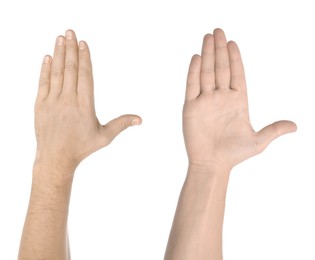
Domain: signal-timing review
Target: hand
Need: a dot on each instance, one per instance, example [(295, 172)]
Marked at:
[(216, 122), (67, 129)]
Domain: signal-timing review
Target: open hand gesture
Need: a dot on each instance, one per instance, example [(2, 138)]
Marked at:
[(66, 126), (216, 125)]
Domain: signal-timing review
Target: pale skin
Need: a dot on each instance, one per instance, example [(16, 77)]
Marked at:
[(218, 135), (67, 131)]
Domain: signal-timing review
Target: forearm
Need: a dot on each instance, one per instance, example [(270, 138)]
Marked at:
[(197, 228), (67, 131), (45, 230)]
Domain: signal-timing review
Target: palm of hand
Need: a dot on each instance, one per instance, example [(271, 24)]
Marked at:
[(217, 129), (216, 124)]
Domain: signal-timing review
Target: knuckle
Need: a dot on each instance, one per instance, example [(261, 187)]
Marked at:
[(221, 47), (208, 69), (83, 55), (57, 72), (123, 124), (43, 82), (71, 46), (84, 72), (235, 60), (71, 66), (222, 65)]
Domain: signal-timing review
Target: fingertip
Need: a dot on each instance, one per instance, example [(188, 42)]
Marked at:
[(219, 34), (232, 43), (44, 79), (70, 34), (60, 40), (136, 121), (295, 127), (84, 49), (193, 78), (207, 37), (195, 57), (82, 45), (195, 63), (282, 127), (47, 59), (291, 126), (218, 30)]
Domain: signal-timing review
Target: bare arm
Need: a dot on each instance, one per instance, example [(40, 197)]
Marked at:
[(67, 131), (45, 229), (218, 135)]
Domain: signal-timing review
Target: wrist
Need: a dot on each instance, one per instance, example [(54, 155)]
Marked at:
[(210, 177), (52, 171), (51, 189), (202, 167), (56, 160)]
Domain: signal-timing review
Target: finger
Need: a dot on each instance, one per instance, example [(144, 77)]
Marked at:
[(44, 79), (85, 75), (238, 81), (193, 78), (207, 78), (222, 64), (117, 125), (273, 131), (57, 67), (71, 64)]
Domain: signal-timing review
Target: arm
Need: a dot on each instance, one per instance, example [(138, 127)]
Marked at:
[(218, 135), (67, 131)]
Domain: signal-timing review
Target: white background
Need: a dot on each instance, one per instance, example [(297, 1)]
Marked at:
[(124, 196)]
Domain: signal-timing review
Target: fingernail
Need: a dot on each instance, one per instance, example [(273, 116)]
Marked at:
[(136, 122), (69, 35), (60, 40), (81, 45), (46, 59)]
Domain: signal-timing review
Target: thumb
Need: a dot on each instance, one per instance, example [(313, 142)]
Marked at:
[(119, 124), (271, 132)]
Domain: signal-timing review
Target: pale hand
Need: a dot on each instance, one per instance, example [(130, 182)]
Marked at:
[(66, 126), (216, 125)]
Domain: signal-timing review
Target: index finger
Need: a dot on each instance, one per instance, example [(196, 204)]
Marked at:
[(85, 74), (238, 81), (207, 77)]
